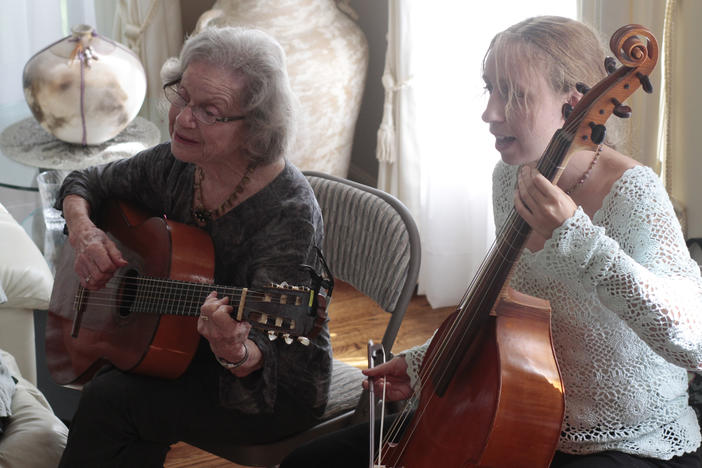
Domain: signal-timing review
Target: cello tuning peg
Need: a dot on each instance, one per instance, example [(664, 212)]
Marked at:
[(566, 109), (621, 110), (287, 338), (645, 82), (598, 133), (272, 335), (582, 88), (610, 65)]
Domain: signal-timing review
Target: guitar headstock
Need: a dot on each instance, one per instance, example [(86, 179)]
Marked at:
[(280, 310)]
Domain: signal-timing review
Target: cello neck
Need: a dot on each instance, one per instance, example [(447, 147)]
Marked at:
[(483, 292)]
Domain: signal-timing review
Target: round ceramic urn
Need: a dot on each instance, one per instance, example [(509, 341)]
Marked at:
[(84, 88), (327, 60)]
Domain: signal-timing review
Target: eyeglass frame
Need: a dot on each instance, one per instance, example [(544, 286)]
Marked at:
[(170, 86)]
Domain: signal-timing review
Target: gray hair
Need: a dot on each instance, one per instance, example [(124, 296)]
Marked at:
[(267, 101)]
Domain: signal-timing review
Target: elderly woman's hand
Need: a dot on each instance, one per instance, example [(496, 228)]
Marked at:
[(228, 338), (96, 255)]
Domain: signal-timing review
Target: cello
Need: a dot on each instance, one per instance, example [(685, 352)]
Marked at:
[(490, 388)]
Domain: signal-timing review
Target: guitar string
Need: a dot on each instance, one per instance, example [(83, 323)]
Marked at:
[(172, 295), (286, 326)]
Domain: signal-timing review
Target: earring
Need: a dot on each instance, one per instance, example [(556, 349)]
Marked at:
[(566, 109)]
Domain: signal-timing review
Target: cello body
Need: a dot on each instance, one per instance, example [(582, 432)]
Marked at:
[(507, 393)]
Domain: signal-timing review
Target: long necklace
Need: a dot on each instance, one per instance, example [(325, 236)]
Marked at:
[(200, 213), (584, 177)]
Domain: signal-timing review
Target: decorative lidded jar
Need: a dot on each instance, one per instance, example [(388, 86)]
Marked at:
[(84, 88)]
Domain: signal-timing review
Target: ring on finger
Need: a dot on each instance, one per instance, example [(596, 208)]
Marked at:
[(87, 279), (204, 317)]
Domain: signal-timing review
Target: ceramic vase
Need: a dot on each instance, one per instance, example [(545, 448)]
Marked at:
[(327, 60), (84, 88)]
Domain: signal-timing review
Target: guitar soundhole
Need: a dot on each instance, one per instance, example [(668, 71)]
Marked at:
[(127, 293)]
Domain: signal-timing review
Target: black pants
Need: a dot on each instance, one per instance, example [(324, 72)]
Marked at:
[(348, 448), (128, 420)]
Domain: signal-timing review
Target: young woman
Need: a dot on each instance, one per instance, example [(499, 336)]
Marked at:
[(606, 250)]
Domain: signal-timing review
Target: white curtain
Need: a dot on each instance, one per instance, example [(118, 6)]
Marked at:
[(153, 30), (435, 153), (27, 27), (648, 136)]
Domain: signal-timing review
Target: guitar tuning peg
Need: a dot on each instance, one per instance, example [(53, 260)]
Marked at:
[(610, 65), (621, 110), (272, 336), (287, 338), (598, 133), (303, 340), (582, 87), (645, 82)]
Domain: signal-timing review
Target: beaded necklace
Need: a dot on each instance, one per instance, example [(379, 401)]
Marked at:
[(582, 180), (200, 213)]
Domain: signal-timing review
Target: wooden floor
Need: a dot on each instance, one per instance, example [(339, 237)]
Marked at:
[(354, 319)]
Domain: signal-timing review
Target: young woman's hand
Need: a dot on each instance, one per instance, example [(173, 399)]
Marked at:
[(543, 205), (394, 375)]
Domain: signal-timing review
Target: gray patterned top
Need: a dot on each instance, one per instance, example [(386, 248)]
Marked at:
[(264, 239)]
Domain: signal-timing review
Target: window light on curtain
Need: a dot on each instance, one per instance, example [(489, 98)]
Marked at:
[(440, 158)]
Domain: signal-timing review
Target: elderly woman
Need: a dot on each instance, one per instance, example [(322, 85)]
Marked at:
[(230, 120)]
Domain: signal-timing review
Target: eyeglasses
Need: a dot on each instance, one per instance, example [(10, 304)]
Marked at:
[(170, 90)]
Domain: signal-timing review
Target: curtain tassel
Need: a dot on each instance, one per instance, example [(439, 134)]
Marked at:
[(386, 151)]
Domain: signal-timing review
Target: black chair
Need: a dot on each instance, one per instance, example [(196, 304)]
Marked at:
[(372, 243)]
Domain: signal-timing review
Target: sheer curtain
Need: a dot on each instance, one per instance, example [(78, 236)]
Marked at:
[(28, 26), (151, 27), (435, 153)]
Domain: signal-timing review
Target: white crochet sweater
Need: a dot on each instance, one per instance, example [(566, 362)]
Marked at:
[(626, 304)]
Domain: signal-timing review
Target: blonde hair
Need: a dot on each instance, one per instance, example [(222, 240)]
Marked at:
[(564, 51)]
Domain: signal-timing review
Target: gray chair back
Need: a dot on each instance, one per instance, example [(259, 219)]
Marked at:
[(371, 242)]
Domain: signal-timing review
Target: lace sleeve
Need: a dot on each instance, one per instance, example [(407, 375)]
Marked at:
[(413, 357), (638, 267)]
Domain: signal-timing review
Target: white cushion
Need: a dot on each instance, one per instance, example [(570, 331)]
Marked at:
[(24, 274)]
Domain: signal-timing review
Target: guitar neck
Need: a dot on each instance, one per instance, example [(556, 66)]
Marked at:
[(171, 297)]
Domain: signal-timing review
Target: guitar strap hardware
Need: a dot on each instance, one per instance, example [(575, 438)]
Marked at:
[(321, 291)]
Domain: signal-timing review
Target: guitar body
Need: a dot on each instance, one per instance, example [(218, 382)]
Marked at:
[(505, 405), (151, 344)]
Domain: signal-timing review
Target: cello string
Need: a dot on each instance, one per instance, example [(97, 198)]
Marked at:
[(513, 219)]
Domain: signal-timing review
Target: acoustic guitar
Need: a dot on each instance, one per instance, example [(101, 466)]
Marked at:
[(144, 319)]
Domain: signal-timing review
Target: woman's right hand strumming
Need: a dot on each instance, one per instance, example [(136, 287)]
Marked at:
[(96, 255), (394, 372)]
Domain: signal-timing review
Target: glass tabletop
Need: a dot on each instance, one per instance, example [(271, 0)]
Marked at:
[(13, 174)]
